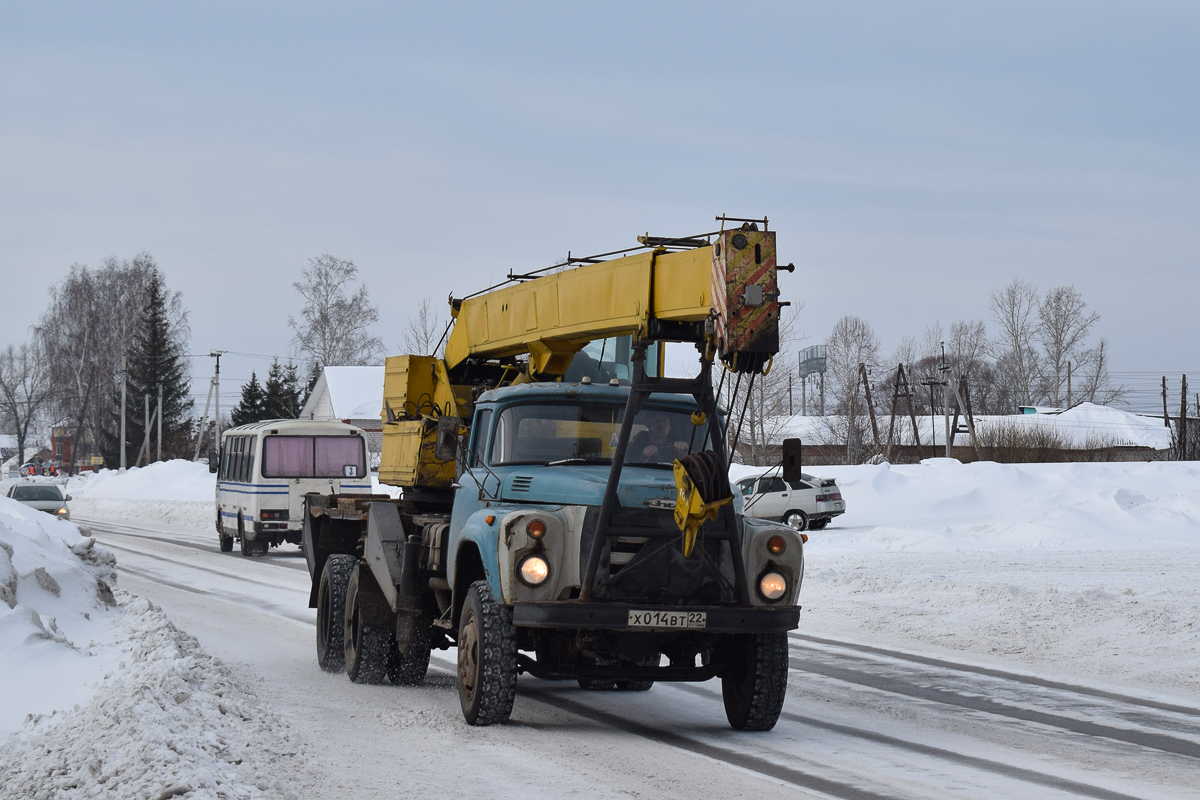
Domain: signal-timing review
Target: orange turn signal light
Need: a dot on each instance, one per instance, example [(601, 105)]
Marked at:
[(489, 519), (776, 545), (804, 538), (536, 528)]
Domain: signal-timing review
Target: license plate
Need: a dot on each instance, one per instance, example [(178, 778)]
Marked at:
[(667, 619)]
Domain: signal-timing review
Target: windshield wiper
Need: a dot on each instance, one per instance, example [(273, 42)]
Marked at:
[(578, 460), (656, 464)]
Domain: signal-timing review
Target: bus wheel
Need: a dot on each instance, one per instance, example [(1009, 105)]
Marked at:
[(226, 541)]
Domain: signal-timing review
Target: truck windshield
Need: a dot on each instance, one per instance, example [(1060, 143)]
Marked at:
[(587, 433)]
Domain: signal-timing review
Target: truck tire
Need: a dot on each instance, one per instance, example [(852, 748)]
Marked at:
[(487, 658), (640, 686), (754, 683), (331, 610), (368, 645), (409, 667), (599, 684)]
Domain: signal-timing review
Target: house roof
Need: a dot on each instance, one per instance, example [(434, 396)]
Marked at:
[(346, 393)]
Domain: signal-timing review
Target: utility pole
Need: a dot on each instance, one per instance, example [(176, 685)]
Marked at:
[(146, 430), (862, 369), (1068, 384), (822, 394), (946, 400), (217, 412), (203, 420), (1183, 427), (791, 411), (160, 422), (124, 382), (804, 395), (1166, 419)]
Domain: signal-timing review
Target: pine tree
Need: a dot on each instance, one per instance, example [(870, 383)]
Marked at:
[(250, 409), (282, 400), (156, 359)]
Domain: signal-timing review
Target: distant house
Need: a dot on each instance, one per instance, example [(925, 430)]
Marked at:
[(353, 395)]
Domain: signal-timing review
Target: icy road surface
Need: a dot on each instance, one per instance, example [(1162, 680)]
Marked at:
[(861, 720)]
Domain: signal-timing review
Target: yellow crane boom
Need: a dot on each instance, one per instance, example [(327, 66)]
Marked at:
[(720, 292)]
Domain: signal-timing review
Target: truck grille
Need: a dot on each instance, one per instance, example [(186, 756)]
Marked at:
[(650, 567)]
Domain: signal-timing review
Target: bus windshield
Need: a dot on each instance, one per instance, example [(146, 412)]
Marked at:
[(587, 433), (314, 457)]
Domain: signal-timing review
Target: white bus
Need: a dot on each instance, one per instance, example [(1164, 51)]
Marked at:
[(264, 469)]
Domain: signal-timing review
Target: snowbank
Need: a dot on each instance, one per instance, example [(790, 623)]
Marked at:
[(941, 505), (170, 720), (55, 614), (175, 492), (103, 696)]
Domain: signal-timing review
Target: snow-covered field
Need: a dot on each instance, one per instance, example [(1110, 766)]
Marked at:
[(1083, 570)]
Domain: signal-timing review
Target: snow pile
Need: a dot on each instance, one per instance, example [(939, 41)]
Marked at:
[(1091, 426), (941, 504), (170, 720), (169, 492), (55, 613), (103, 696)]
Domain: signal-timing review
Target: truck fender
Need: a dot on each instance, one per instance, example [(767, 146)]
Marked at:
[(468, 568)]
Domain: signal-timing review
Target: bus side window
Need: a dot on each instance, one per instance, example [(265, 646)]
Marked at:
[(239, 448), (251, 445), (244, 460), (482, 424)]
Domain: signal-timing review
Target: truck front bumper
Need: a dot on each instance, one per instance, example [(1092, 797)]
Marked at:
[(615, 616)]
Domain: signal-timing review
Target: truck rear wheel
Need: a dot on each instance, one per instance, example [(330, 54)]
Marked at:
[(331, 610), (408, 667), (754, 683), (368, 645), (487, 658)]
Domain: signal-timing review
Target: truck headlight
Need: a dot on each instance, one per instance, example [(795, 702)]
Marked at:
[(772, 585), (534, 570)]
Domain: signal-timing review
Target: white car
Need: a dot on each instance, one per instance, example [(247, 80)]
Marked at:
[(809, 503), (42, 496)]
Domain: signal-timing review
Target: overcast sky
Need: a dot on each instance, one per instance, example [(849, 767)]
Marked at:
[(911, 155)]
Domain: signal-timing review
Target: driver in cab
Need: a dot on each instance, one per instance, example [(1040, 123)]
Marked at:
[(656, 444)]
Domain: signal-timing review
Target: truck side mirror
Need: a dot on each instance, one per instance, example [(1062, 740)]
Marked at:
[(214, 460), (791, 460), (447, 438)]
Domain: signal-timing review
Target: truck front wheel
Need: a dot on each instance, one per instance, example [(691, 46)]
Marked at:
[(368, 644), (331, 610), (754, 682), (487, 658)]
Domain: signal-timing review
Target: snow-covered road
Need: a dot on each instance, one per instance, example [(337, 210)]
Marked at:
[(862, 720)]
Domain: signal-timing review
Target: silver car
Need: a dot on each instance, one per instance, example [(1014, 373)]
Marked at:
[(46, 497), (808, 503)]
